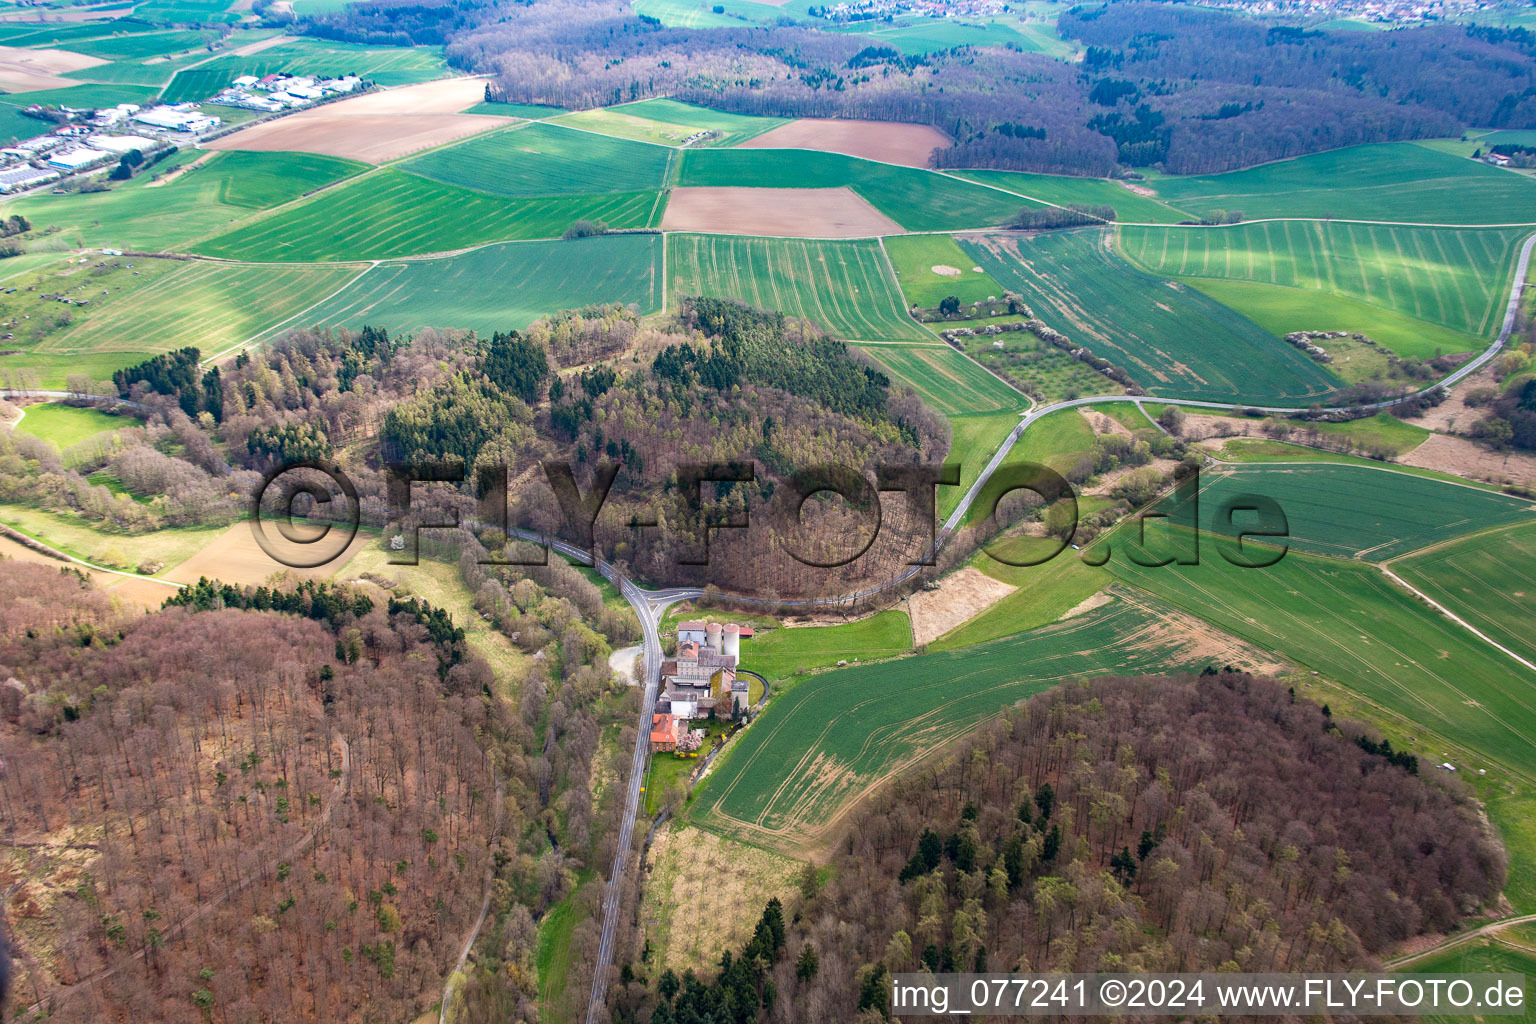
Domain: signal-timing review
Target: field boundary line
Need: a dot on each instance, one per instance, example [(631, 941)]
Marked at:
[(27, 540), (1463, 623)]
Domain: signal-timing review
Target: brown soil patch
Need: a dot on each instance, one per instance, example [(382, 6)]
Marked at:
[(887, 141), (1140, 190), (235, 557), (443, 96), (1103, 424), (705, 893), (1088, 604), (377, 126), (961, 597), (1466, 458), (1454, 411), (944, 270), (372, 138), (1189, 640), (779, 212), (24, 70), (1108, 480)]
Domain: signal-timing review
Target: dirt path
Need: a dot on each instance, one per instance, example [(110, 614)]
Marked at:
[(1456, 940)]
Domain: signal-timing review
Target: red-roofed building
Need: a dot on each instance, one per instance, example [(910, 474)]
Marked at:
[(663, 733)]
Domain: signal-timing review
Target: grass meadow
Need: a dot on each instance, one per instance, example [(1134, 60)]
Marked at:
[(390, 213), (540, 159), (459, 291), (1456, 278), (1357, 511), (1488, 579), (949, 383), (383, 65), (782, 654), (915, 256), (1064, 191), (827, 741), (1173, 340), (1396, 181), (67, 425), (213, 192), (1349, 622), (666, 122), (845, 287), (916, 199)]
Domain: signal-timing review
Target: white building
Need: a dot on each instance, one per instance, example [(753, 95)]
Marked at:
[(172, 119), (245, 81), (122, 143), (74, 159)]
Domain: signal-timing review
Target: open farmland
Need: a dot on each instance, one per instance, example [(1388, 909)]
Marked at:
[(1352, 624), (833, 738), (948, 382), (916, 199), (667, 123), (845, 287), (1171, 339), (1037, 367), (1398, 181), (389, 213), (1457, 278), (540, 159), (783, 653), (1488, 579), (452, 292), (26, 70), (1359, 512), (775, 212), (886, 141), (383, 65), (931, 267), (1064, 191), (137, 47), (173, 304), (374, 138), (164, 214)]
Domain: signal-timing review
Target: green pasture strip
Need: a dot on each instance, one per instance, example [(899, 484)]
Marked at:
[(543, 160), (1488, 579), (1063, 190)]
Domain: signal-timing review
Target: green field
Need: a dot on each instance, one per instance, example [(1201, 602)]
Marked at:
[(1479, 956), (1489, 580), (830, 738), (915, 256), (916, 199), (1064, 191), (949, 383), (453, 292), (390, 213), (540, 159), (137, 47), (1455, 278), (1359, 512), (845, 287), (196, 84), (66, 425), (1172, 340), (1349, 622), (779, 654), (206, 199), (161, 305), (667, 123), (384, 65), (1397, 181)]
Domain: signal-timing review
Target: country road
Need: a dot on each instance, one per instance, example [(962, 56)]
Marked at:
[(650, 605)]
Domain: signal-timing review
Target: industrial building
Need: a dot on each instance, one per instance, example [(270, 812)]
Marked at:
[(702, 679)]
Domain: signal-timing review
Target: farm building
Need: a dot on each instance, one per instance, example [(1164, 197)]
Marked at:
[(702, 679), (74, 159)]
